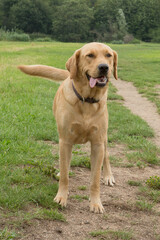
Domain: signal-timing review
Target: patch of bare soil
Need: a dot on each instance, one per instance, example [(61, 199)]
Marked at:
[(140, 106), (120, 210)]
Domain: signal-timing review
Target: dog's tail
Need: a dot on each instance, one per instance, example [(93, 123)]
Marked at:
[(45, 71)]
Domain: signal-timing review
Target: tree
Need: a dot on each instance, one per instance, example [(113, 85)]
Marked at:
[(122, 25), (72, 21), (154, 35), (142, 16), (31, 16), (83, 20), (6, 5), (1, 14), (109, 20)]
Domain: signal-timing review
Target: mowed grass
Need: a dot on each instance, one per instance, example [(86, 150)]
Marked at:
[(26, 122), (140, 64)]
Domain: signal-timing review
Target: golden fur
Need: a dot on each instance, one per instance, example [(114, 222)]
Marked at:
[(80, 122)]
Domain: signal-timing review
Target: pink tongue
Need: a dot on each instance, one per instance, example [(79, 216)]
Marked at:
[(92, 82)]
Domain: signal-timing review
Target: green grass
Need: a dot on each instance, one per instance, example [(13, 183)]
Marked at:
[(124, 127), (26, 121), (80, 198), (112, 94), (112, 235), (49, 214), (150, 194), (143, 205), (5, 234), (82, 188), (140, 64), (80, 161), (134, 183)]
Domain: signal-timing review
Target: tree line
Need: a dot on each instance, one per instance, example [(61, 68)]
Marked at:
[(84, 20)]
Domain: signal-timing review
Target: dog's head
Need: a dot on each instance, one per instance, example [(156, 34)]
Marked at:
[(94, 64)]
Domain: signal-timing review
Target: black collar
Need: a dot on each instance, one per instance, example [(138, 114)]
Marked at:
[(89, 100)]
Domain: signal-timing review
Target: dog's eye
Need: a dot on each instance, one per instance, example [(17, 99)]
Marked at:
[(91, 55), (108, 55)]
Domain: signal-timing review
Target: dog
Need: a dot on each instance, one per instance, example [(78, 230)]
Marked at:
[(81, 113)]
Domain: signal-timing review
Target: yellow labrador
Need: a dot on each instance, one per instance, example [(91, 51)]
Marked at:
[(81, 113)]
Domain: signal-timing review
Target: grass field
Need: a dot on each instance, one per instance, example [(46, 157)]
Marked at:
[(140, 64), (27, 186)]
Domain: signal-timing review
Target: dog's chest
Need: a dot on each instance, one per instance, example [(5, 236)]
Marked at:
[(82, 132)]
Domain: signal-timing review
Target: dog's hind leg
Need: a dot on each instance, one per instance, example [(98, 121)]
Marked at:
[(65, 150), (107, 172)]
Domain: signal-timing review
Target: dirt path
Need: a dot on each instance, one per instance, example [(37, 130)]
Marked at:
[(140, 106)]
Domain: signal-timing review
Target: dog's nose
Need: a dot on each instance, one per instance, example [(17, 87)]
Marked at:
[(103, 68)]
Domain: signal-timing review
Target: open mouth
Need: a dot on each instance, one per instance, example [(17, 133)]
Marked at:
[(98, 81)]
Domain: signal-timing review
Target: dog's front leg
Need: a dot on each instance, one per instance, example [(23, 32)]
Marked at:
[(108, 176), (65, 152), (97, 155)]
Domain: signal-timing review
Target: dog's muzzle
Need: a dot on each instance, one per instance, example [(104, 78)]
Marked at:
[(101, 80), (103, 68)]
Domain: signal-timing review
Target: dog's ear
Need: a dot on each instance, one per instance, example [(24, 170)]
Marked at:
[(115, 65), (72, 64)]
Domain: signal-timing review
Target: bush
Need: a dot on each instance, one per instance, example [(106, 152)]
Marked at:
[(117, 42), (46, 39), (135, 41), (19, 37), (153, 182), (34, 36), (6, 35), (128, 38), (155, 35)]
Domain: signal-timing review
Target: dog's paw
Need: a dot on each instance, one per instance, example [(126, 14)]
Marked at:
[(96, 207), (109, 180), (61, 199)]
